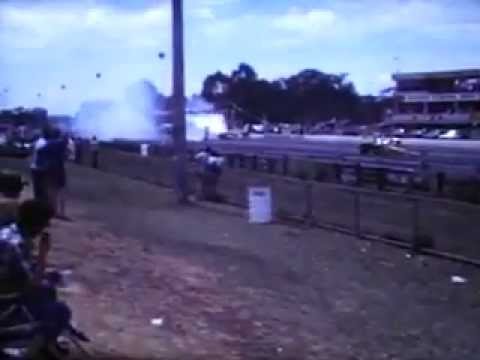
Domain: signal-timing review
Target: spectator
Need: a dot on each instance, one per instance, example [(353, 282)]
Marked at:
[(210, 173), (79, 149), (18, 274), (39, 166), (71, 148), (57, 177), (94, 151)]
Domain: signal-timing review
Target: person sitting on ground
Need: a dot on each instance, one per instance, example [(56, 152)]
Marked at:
[(24, 278)]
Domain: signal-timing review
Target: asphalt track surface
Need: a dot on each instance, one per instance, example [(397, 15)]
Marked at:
[(448, 155)]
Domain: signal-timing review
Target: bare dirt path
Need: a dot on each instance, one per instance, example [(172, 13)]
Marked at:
[(224, 289)]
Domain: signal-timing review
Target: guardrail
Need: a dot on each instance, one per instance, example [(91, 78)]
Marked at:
[(457, 181), (419, 223)]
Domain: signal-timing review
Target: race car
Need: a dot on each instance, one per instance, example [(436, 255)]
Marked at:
[(381, 146), (230, 135)]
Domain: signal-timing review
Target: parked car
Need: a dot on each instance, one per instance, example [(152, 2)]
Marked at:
[(453, 134)]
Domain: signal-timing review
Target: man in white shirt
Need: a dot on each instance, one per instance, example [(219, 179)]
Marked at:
[(71, 149), (39, 166)]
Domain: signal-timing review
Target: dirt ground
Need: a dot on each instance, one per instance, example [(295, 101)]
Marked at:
[(223, 289)]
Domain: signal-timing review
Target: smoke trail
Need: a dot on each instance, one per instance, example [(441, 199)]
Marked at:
[(129, 118), (197, 123), (109, 121), (134, 117)]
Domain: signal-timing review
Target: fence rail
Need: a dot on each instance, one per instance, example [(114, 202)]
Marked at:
[(420, 223)]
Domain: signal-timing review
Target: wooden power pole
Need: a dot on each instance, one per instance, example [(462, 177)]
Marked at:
[(179, 125)]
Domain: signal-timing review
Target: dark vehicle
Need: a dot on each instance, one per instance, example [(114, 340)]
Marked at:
[(16, 147), (417, 133), (230, 135), (380, 146), (433, 134)]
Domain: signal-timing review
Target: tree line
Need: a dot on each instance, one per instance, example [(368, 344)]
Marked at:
[(309, 97)]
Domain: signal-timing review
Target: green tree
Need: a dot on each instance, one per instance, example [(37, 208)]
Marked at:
[(307, 97)]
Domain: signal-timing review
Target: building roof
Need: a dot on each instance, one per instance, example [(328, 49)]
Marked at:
[(468, 73)]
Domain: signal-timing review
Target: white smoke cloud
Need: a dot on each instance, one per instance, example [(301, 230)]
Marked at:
[(116, 121), (197, 123), (134, 117)]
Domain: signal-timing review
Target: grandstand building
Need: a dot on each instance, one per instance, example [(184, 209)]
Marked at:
[(435, 99)]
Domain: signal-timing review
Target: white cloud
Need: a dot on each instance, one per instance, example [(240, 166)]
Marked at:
[(306, 22), (29, 24), (214, 2), (206, 9), (204, 13), (222, 29), (69, 44), (44, 41)]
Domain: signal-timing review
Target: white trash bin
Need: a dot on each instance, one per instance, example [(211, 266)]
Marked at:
[(144, 149), (259, 205)]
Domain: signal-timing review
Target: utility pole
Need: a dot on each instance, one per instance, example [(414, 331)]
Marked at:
[(179, 127)]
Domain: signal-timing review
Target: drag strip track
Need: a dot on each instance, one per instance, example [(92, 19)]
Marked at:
[(443, 155)]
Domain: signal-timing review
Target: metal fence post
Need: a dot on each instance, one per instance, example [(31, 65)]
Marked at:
[(358, 175), (308, 216), (272, 165), (440, 183), (356, 214), (231, 161), (254, 164), (410, 183), (285, 165), (381, 179), (338, 173), (241, 161), (415, 226)]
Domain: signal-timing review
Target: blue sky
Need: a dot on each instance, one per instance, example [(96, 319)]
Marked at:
[(48, 43)]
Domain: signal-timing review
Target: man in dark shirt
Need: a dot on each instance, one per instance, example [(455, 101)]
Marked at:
[(57, 153), (23, 277)]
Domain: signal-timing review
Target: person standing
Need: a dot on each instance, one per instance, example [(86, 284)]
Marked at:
[(211, 163), (57, 177), (94, 151), (39, 166), (71, 148)]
